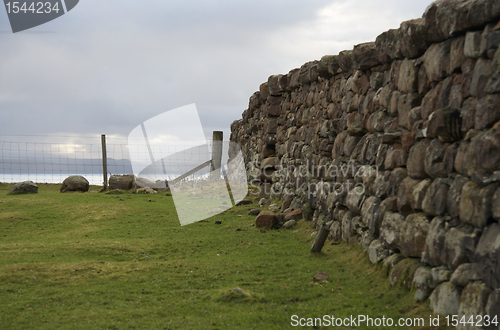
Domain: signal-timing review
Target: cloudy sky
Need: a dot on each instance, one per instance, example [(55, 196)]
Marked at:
[(107, 66)]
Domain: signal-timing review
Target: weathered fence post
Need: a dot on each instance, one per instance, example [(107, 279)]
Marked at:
[(104, 162), (320, 239), (217, 150)]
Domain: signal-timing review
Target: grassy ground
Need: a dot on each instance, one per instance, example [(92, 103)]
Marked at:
[(122, 261)]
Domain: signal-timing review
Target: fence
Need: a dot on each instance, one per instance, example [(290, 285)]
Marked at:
[(52, 158)]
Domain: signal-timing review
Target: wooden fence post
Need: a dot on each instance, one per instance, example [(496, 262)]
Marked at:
[(217, 150), (104, 162), (320, 239)]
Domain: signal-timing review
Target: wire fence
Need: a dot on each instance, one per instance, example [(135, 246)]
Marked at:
[(51, 159)]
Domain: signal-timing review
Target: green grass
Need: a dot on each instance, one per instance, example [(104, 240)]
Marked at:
[(122, 261)]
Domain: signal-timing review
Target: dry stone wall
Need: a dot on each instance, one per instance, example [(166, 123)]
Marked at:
[(395, 146)]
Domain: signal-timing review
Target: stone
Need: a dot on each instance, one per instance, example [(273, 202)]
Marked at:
[(289, 224), (395, 158), (418, 194), (436, 197), (274, 208), (294, 215), (406, 103), (122, 182), (376, 122), (412, 39), (487, 256), (457, 55), (335, 231), (476, 204), (266, 219), (364, 56), (145, 190), (287, 202), (408, 77), (390, 230), (453, 198), (422, 284), (437, 60), (434, 242), (390, 262), (492, 308), (264, 202), (485, 151), (405, 195), (468, 114), (274, 106), (446, 18), (25, 187), (275, 86), (243, 202), (445, 124), (496, 205), (472, 47), (464, 274), (346, 61), (413, 234), (473, 301), (328, 66), (489, 40), (482, 72), (459, 245), (439, 275), (487, 111), (75, 183), (370, 213), (388, 46), (376, 251), (416, 159), (254, 212), (465, 158), (445, 299), (403, 273), (434, 163), (347, 227), (430, 102), (493, 84), (354, 200)]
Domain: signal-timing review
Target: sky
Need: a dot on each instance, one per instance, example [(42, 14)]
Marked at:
[(105, 67)]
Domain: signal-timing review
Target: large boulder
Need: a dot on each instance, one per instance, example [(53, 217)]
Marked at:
[(413, 235), (390, 230), (473, 302), (487, 256), (267, 219), (476, 204), (122, 182), (75, 183), (459, 245), (422, 283), (445, 299), (493, 307), (434, 242), (26, 187)]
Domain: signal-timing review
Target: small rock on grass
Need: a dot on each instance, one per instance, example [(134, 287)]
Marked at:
[(243, 202), (289, 224), (239, 290), (254, 212), (321, 277)]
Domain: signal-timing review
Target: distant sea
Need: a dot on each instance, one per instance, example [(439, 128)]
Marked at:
[(94, 179)]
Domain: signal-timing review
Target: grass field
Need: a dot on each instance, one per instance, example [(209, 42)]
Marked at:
[(122, 261)]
